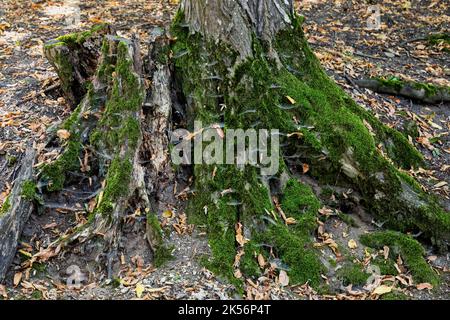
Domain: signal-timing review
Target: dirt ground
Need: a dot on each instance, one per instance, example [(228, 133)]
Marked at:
[(31, 103)]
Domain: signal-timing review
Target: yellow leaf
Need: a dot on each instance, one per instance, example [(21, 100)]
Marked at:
[(290, 220), (139, 290), (352, 244), (17, 278), (168, 214), (382, 290), (26, 253), (261, 261), (292, 101)]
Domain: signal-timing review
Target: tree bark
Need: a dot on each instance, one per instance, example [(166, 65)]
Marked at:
[(235, 22), (15, 212)]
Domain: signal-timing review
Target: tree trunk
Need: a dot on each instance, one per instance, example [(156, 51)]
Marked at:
[(258, 72), (230, 64)]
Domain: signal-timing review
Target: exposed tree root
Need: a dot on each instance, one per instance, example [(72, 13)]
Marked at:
[(15, 211), (427, 93)]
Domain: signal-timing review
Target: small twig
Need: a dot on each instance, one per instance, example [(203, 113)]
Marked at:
[(412, 40), (361, 54), (50, 88)]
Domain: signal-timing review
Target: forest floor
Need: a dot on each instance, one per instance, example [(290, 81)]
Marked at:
[(30, 103)]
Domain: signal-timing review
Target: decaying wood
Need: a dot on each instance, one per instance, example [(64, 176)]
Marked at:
[(14, 219), (76, 61), (408, 90), (157, 126)]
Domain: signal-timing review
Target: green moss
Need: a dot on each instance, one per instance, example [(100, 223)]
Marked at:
[(348, 219), (332, 262), (249, 264), (37, 295), (118, 124), (30, 192), (11, 160), (5, 206), (411, 129), (440, 38), (352, 273), (55, 173), (117, 184), (153, 223), (409, 249), (395, 295), (78, 38), (297, 252), (397, 84), (386, 265), (162, 255)]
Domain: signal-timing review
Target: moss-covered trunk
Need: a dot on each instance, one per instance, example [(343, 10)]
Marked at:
[(246, 64)]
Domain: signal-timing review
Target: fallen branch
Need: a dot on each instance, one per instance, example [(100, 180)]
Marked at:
[(422, 92)]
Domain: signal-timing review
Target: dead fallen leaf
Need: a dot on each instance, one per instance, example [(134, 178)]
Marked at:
[(239, 236), (305, 167), (3, 292), (17, 278), (63, 134), (292, 101), (139, 290), (261, 261), (385, 252), (382, 290), (423, 286), (352, 244), (283, 278)]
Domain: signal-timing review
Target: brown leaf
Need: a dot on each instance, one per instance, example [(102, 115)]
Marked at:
[(305, 167), (239, 236), (17, 278), (261, 261), (63, 134), (50, 225), (423, 286), (3, 292), (385, 252)]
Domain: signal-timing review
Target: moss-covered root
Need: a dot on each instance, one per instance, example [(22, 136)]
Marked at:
[(75, 58), (243, 221), (423, 92), (440, 40), (410, 251)]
